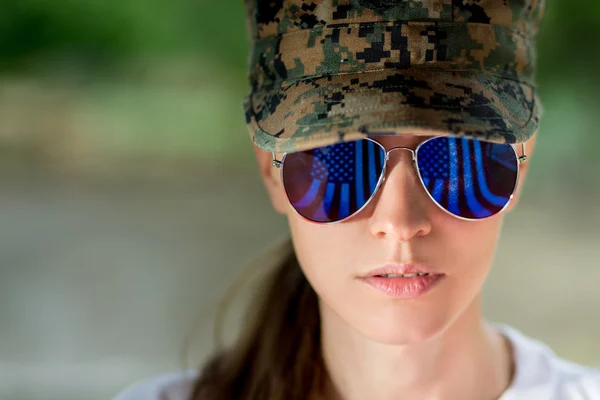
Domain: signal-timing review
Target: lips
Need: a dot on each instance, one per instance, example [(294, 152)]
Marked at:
[(403, 281), (404, 270)]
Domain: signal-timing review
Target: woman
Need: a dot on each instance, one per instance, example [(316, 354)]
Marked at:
[(394, 135)]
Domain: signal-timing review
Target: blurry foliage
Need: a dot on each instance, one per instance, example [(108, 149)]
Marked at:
[(110, 31), (90, 31), (568, 41)]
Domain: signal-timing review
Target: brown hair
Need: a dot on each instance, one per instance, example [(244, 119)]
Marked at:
[(278, 353)]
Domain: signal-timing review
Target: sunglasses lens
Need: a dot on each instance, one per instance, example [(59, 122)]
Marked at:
[(469, 178), (331, 183)]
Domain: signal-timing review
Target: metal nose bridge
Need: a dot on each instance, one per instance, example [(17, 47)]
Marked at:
[(412, 152)]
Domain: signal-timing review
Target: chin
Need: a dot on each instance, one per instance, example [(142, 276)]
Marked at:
[(401, 331)]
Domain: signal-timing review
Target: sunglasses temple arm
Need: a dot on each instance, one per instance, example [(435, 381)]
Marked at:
[(523, 158), (276, 162)]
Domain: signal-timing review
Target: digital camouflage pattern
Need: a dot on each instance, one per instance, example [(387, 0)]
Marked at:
[(323, 71)]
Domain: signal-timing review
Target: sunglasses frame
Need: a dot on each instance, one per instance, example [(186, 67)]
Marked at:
[(520, 160)]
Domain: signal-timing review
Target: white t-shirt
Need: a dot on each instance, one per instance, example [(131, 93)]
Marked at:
[(539, 375)]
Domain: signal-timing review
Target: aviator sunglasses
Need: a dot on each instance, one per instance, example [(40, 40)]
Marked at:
[(468, 178)]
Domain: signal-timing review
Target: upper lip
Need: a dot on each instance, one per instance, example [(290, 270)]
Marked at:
[(398, 269)]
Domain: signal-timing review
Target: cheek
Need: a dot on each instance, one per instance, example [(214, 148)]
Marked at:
[(327, 255), (468, 255), (318, 247), (471, 244)]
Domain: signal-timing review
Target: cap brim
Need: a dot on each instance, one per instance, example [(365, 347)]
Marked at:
[(320, 111)]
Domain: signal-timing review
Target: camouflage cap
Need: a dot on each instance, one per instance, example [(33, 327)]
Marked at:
[(324, 71)]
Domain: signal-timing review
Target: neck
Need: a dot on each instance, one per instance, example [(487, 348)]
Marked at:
[(468, 360)]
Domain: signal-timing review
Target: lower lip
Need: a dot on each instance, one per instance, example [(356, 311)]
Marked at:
[(404, 288)]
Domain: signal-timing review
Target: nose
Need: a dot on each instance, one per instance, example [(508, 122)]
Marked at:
[(400, 211)]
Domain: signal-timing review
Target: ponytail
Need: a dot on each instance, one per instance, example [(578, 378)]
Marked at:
[(278, 353)]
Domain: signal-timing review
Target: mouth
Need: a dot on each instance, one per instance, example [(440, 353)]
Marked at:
[(402, 275), (403, 281), (402, 271)]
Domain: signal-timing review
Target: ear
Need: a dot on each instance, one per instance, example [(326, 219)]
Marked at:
[(523, 170), (271, 177)]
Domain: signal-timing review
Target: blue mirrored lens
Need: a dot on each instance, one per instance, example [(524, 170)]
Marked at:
[(467, 177), (331, 183)]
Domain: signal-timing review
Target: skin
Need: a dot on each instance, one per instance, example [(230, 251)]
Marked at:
[(434, 346)]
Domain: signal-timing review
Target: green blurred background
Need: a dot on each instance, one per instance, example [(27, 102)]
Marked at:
[(128, 203)]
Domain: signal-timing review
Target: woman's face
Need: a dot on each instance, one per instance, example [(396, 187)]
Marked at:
[(400, 225)]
